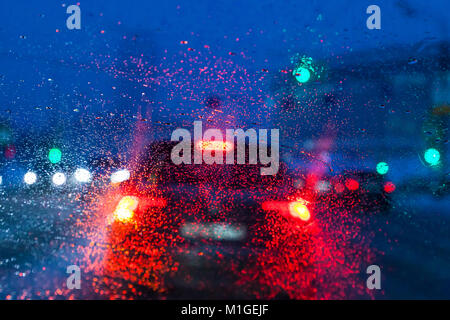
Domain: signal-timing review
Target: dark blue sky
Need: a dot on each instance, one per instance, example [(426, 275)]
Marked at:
[(270, 26), (254, 35)]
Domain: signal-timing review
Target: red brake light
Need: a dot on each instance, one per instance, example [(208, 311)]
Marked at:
[(298, 209), (294, 209), (352, 184), (389, 187), (215, 145), (125, 209)]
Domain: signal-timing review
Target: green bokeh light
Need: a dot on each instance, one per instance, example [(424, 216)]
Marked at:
[(382, 168), (54, 155), (301, 74), (432, 156)]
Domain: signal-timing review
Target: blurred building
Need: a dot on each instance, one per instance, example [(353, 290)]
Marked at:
[(387, 104)]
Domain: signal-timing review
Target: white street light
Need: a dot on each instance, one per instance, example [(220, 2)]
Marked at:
[(59, 178), (82, 175), (30, 178)]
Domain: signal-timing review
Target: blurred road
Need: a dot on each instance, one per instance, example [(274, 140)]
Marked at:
[(41, 236)]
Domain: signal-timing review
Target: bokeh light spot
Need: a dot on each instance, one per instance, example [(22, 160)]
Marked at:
[(382, 168), (432, 156), (54, 155), (301, 74)]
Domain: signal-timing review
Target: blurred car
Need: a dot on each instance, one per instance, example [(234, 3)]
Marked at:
[(358, 188), (364, 188), (203, 211)]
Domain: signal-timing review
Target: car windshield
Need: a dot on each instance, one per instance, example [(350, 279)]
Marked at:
[(225, 150)]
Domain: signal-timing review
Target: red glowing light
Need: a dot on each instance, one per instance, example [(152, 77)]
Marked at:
[(389, 187), (215, 145), (270, 206), (125, 209), (352, 184), (299, 210)]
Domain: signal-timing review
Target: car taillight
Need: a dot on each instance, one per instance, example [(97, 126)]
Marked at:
[(389, 187), (154, 203), (125, 209), (352, 184), (215, 145), (299, 210)]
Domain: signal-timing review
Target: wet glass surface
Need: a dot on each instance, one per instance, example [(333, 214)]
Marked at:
[(224, 149)]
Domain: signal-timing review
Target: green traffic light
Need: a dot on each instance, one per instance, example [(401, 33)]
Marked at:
[(432, 156), (54, 155), (382, 168), (301, 74)]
